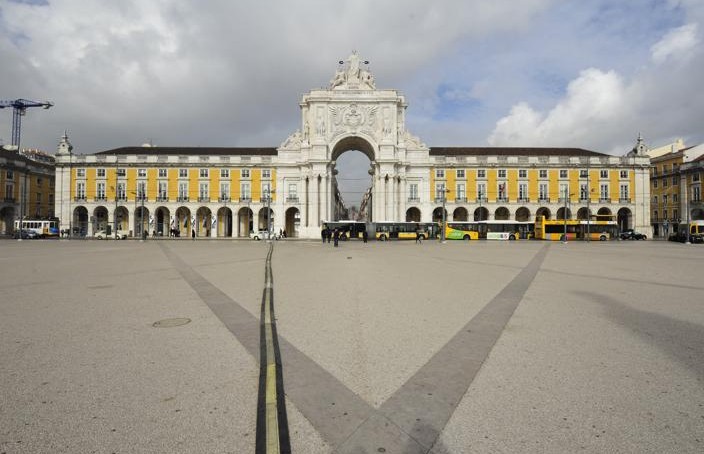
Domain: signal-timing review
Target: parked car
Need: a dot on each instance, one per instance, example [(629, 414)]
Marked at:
[(262, 235), (630, 234), (26, 234), (682, 237), (102, 235)]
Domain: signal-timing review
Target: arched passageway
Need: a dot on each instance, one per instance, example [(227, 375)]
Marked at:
[(413, 215), (460, 214), (293, 222), (523, 214), (182, 222), (245, 221), (163, 221), (481, 214), (502, 214), (623, 218), (224, 222), (561, 213), (437, 214), (544, 212), (583, 214)]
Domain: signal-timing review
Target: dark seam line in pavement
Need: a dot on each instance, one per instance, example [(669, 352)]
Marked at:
[(260, 438), (634, 281), (424, 404)]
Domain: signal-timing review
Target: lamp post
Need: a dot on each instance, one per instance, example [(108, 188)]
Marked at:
[(114, 214), (269, 192), (445, 191)]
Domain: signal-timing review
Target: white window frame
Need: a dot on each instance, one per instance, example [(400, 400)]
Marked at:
[(163, 173), (501, 173), (204, 173), (100, 172), (266, 173), (522, 173), (543, 173), (224, 173), (80, 173), (460, 173), (244, 173), (439, 173), (141, 173), (183, 173), (563, 174), (481, 173)]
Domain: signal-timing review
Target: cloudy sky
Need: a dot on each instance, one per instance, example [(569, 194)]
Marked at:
[(572, 73)]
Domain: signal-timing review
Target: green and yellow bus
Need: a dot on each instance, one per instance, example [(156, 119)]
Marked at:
[(576, 229), (488, 230), (383, 231)]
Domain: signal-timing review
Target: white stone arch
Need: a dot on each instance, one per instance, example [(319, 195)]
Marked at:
[(353, 141)]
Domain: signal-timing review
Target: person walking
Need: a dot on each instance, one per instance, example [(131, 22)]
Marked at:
[(336, 237), (324, 234), (193, 234), (419, 236), (328, 235), (364, 236)]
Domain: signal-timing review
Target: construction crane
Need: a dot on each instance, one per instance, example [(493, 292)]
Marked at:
[(19, 108)]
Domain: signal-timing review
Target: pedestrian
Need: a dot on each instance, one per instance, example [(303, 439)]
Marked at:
[(193, 234), (324, 233), (364, 236), (419, 236), (328, 235), (336, 237)]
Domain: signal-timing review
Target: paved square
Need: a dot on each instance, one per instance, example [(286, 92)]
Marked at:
[(454, 348)]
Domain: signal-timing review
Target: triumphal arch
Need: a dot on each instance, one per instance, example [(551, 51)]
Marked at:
[(352, 114)]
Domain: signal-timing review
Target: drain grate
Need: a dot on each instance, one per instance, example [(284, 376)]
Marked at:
[(171, 322)]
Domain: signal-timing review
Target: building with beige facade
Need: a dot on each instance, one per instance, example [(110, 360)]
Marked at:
[(26, 187), (228, 192)]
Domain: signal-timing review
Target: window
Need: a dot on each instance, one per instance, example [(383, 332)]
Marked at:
[(481, 173), (244, 173), (225, 173), (459, 192), (664, 213), (10, 174), (266, 191), (460, 173), (183, 173), (80, 173), (696, 194), (502, 173), (439, 191), (163, 190), (100, 173), (163, 173), (604, 192), (100, 191), (203, 191), (245, 193), (481, 192), (624, 174), (543, 191), (293, 192), (543, 173), (141, 190), (413, 192), (39, 197), (675, 181), (121, 172), (603, 173), (39, 181), (266, 173), (563, 173), (183, 191), (695, 177), (121, 191), (674, 198), (501, 191), (523, 192), (204, 173), (583, 192), (80, 190), (9, 191), (655, 183), (664, 182), (522, 173), (583, 173), (439, 173), (141, 173), (674, 214), (564, 191), (224, 191), (623, 192), (655, 200)]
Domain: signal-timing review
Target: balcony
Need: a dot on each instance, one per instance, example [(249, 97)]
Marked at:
[(9, 199), (624, 200), (604, 200), (121, 198), (224, 198), (204, 199), (583, 199), (182, 198), (246, 199), (523, 200), (79, 198), (460, 199), (544, 199), (292, 199), (414, 200), (162, 198), (100, 198), (440, 199), (502, 199)]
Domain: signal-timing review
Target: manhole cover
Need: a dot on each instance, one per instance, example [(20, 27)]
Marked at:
[(171, 322)]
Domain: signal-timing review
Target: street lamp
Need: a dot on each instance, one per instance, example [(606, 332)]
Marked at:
[(114, 214), (269, 225), (445, 191)]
